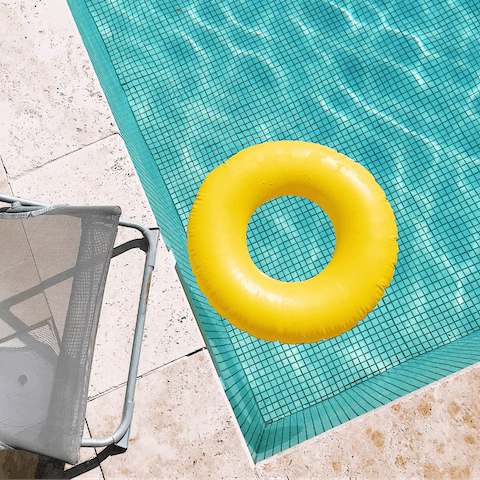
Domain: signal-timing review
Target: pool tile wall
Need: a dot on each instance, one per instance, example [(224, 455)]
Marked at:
[(191, 83)]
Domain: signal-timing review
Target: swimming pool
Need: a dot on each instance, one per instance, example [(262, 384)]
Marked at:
[(394, 85)]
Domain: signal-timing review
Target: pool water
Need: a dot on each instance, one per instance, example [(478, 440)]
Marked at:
[(394, 85)]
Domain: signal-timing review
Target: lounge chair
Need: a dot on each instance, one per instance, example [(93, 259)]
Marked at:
[(54, 261)]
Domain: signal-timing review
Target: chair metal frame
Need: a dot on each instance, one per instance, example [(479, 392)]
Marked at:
[(120, 437)]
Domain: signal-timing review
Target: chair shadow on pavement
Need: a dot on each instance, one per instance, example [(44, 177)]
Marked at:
[(18, 464)]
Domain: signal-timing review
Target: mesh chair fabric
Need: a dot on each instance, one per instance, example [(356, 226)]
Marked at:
[(53, 269)]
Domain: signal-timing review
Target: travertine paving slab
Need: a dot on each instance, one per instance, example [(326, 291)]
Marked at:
[(51, 102), (183, 426), (103, 174), (433, 433)]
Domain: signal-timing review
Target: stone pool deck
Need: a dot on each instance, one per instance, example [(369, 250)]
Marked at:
[(59, 143)]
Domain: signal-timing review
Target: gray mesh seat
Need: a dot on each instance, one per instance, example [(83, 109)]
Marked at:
[(54, 262)]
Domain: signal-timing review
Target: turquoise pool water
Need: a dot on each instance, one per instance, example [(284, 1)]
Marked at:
[(394, 85)]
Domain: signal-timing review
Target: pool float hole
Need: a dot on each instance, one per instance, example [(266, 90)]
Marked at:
[(290, 238)]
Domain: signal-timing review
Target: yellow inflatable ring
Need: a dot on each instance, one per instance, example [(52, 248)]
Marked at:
[(323, 306)]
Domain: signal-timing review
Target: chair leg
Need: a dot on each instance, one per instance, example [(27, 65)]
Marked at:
[(123, 442)]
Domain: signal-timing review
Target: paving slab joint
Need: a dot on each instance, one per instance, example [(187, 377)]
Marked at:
[(39, 167), (145, 374)]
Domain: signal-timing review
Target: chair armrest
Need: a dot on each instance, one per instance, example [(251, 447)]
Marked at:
[(120, 436)]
